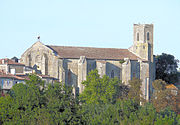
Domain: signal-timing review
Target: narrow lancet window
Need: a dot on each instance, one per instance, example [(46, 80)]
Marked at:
[(137, 36), (29, 60), (147, 35), (69, 77)]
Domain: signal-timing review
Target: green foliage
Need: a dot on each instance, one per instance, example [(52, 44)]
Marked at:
[(135, 92), (166, 117), (164, 70), (178, 119), (162, 97), (126, 112), (159, 84), (99, 90), (108, 114), (31, 103), (121, 61), (111, 104), (61, 104)]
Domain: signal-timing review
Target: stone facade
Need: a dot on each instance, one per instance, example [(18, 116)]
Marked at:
[(71, 64)]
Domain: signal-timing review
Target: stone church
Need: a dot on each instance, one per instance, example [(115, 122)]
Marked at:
[(71, 64)]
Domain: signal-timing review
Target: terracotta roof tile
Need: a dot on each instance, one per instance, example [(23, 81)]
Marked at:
[(9, 61), (93, 53), (23, 76), (171, 86), (8, 75)]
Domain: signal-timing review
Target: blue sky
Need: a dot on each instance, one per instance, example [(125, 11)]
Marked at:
[(94, 23)]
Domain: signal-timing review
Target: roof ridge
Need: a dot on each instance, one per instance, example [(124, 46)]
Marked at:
[(84, 47), (3, 74)]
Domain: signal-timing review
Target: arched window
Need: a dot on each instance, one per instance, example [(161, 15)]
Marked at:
[(147, 35), (112, 74), (137, 36)]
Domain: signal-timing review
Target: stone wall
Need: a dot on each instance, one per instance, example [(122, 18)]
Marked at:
[(91, 65), (71, 71), (114, 69), (145, 77), (4, 68), (82, 72), (126, 71), (43, 58), (74, 71), (101, 67)]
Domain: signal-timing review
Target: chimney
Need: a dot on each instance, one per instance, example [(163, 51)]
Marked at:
[(3, 61), (13, 71)]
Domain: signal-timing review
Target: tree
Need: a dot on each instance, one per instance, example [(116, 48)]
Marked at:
[(99, 90), (61, 104), (166, 117), (108, 113), (0, 91), (135, 92), (26, 102), (162, 97), (166, 68), (31, 103), (177, 103)]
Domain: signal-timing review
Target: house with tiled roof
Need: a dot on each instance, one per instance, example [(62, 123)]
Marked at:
[(13, 72), (173, 88), (7, 81), (72, 64), (46, 78), (10, 66)]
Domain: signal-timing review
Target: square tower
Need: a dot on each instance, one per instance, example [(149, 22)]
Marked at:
[(143, 33), (143, 41)]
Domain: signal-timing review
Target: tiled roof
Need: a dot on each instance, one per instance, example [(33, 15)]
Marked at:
[(23, 76), (93, 53), (8, 75), (9, 61), (171, 86)]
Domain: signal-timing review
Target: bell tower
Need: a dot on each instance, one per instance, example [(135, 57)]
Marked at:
[(143, 48), (143, 41)]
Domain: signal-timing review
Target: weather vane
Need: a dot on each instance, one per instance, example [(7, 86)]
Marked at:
[(38, 38)]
